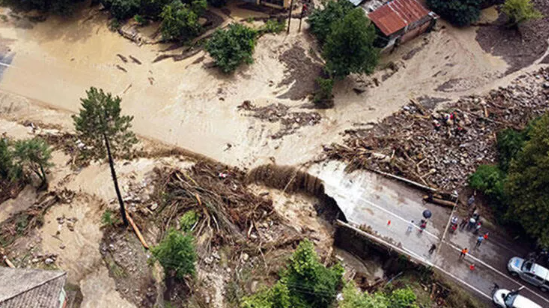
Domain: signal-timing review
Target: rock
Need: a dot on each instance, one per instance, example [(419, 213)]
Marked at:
[(70, 226), (208, 260), (215, 255), (62, 246), (244, 256), (35, 260), (154, 206), (48, 261)]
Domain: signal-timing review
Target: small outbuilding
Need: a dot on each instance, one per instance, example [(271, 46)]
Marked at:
[(32, 288), (398, 21)]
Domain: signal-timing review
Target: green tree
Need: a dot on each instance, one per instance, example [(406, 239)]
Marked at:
[(349, 46), (528, 181), (59, 7), (321, 20), (180, 21), (489, 180), (33, 155), (519, 11), (353, 298), (316, 284), (458, 12), (176, 253), (509, 143), (232, 47), (104, 132), (122, 9)]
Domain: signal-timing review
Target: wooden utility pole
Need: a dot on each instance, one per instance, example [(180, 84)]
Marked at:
[(115, 180), (290, 16), (303, 10)]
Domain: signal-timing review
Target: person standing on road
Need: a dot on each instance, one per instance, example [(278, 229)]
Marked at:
[(471, 200), (422, 226), (479, 241), (410, 227), (464, 251), (463, 223), (485, 236), (432, 249)]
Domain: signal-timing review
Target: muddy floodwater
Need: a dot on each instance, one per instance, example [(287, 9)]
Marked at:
[(189, 105)]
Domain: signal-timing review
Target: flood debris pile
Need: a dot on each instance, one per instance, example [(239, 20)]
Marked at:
[(440, 148), (235, 229), (279, 113)]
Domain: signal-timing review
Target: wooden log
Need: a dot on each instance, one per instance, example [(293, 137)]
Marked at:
[(439, 201), (137, 232), (8, 262)]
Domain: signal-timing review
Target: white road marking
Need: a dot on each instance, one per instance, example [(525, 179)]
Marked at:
[(398, 217)]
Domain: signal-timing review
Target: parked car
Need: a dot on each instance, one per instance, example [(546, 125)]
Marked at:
[(530, 272), (511, 299)]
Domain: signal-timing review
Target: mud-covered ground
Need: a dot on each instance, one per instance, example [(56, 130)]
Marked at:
[(519, 46)]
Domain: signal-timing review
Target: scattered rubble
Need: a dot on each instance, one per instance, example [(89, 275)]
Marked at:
[(290, 121), (440, 148)]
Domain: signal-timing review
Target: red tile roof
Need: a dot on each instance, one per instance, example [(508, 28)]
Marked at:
[(396, 14)]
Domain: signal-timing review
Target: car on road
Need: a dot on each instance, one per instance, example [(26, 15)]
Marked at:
[(530, 272), (511, 299)]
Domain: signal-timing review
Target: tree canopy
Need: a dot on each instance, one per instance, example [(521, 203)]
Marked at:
[(349, 46), (180, 21), (528, 181), (101, 115), (232, 47), (33, 155), (458, 12), (176, 253), (321, 20), (519, 11)]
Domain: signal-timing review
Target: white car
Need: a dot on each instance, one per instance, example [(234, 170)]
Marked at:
[(507, 299), (530, 272)]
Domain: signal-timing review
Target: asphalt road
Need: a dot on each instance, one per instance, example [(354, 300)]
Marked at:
[(387, 207)]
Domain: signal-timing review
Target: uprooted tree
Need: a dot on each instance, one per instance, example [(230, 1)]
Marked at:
[(104, 132), (458, 12)]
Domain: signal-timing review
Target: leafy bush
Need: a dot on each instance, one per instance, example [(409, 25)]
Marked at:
[(458, 12), (177, 254), (217, 3), (180, 21), (353, 298), (519, 11), (140, 20), (108, 219), (321, 20), (188, 220), (403, 298), (323, 96), (232, 47), (276, 297), (273, 26), (490, 180), (349, 46)]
